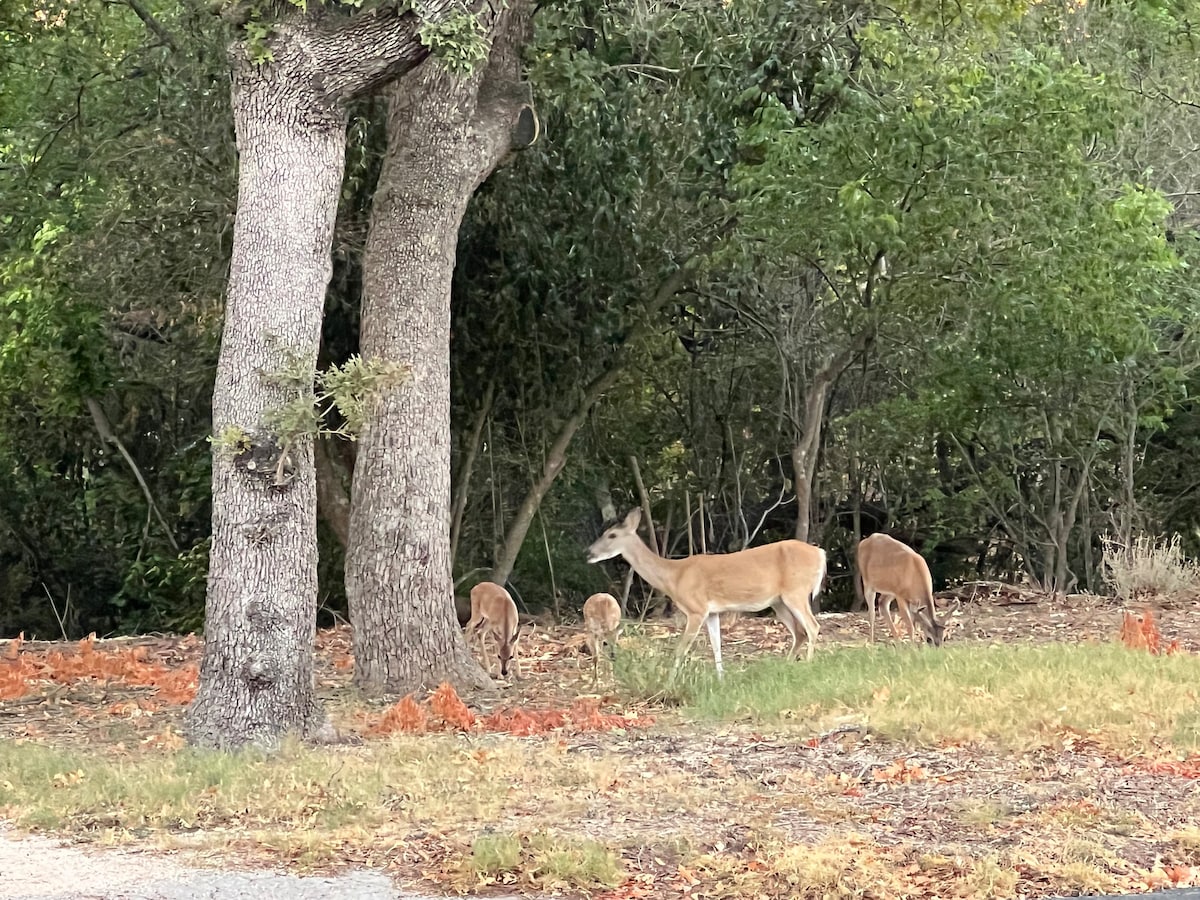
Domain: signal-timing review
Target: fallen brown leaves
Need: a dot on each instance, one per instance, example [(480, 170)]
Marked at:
[(23, 670), (445, 711)]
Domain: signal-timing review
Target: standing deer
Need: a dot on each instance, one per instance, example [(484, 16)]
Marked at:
[(895, 571), (601, 622), (785, 576), (494, 613)]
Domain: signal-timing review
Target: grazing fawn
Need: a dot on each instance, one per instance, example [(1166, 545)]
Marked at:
[(784, 576), (494, 614), (601, 623), (895, 571)]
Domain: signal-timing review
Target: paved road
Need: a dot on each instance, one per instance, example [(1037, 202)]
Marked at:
[(268, 886), (35, 868)]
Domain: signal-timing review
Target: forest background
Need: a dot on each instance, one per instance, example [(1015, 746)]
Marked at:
[(802, 269)]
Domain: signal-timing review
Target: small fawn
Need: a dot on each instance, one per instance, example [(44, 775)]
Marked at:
[(601, 624), (494, 613), (892, 570)]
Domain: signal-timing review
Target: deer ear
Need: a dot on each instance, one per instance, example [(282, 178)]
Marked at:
[(634, 518)]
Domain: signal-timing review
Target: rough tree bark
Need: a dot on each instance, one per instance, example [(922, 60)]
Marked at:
[(446, 133), (256, 679)]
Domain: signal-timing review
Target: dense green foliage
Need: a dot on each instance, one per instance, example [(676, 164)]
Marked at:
[(982, 228)]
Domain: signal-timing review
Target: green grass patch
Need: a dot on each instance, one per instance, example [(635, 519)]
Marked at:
[(1013, 695), (44, 787), (428, 779), (549, 862)]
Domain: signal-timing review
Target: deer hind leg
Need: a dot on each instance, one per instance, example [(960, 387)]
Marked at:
[(784, 615), (591, 641), (800, 606), (514, 657), (892, 615), (690, 631), (713, 622)]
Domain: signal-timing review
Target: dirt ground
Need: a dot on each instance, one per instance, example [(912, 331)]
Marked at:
[(924, 814)]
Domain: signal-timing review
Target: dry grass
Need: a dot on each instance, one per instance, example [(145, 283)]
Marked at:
[(990, 879), (1186, 843), (1149, 566), (440, 781)]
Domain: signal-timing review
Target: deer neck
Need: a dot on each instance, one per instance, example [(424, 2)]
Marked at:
[(660, 573)]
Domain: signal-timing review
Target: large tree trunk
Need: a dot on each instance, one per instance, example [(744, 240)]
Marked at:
[(446, 133), (256, 679)]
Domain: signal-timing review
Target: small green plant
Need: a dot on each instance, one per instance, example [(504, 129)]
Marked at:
[(257, 49), (352, 389), (355, 388), (980, 813), (576, 863), (548, 861), (495, 853), (647, 671), (457, 38), (231, 441)]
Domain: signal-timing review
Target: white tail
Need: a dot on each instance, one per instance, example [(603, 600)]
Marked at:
[(601, 623), (895, 571), (494, 613), (785, 576)]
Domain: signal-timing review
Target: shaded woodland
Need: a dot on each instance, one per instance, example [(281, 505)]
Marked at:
[(772, 269)]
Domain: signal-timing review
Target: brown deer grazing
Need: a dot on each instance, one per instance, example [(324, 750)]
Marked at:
[(892, 570), (494, 614), (601, 623), (784, 576)]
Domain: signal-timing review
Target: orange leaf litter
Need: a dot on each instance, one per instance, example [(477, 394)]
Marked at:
[(445, 711), (21, 669)]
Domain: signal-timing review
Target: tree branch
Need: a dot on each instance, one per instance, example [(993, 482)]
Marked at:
[(152, 23), (108, 436)]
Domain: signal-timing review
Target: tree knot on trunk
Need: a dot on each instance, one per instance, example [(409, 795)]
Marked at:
[(260, 456), (265, 527), (260, 672)]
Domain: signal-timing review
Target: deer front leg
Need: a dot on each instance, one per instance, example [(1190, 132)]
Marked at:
[(870, 595), (903, 617), (713, 621), (594, 650)]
